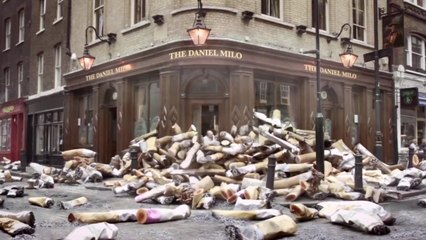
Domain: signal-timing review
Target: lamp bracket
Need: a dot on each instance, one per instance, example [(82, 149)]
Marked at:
[(158, 19), (247, 15), (109, 38), (346, 27)]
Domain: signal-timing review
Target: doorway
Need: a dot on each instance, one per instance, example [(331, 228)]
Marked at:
[(206, 115)]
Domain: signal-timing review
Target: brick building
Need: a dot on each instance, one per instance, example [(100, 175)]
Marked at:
[(49, 60), (15, 17)]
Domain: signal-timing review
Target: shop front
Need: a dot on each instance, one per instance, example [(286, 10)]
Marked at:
[(12, 131), (215, 87), (45, 129)]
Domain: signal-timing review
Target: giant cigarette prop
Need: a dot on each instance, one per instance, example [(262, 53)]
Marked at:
[(15, 227), (156, 215), (256, 214), (26, 217), (128, 215), (73, 203), (94, 231), (41, 201), (272, 228)]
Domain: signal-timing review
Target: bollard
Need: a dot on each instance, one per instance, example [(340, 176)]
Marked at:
[(24, 164), (271, 172), (358, 173), (134, 157), (411, 150)]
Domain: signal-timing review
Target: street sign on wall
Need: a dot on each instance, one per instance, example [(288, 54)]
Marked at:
[(409, 97)]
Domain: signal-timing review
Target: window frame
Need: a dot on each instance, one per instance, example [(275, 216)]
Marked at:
[(99, 25), (415, 2), (6, 75), (5, 133), (326, 13), (85, 119), (268, 11), (59, 8), (58, 65), (356, 26), (40, 71), (20, 77), (21, 32), (42, 13), (422, 53), (7, 33), (134, 12)]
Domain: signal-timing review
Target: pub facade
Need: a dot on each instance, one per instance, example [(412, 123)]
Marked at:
[(165, 79)]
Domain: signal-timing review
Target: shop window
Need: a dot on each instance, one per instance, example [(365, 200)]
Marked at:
[(49, 131), (85, 120), (147, 108), (408, 129), (272, 96), (5, 134), (323, 14), (272, 8), (416, 53), (138, 11), (358, 18)]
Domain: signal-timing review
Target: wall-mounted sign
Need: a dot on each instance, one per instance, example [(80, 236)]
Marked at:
[(8, 109), (409, 97), (193, 53), (393, 31), (108, 72), (331, 72)]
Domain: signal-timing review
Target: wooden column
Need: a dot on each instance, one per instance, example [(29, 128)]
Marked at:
[(241, 98), (348, 115), (170, 101), (308, 102), (95, 121), (70, 122)]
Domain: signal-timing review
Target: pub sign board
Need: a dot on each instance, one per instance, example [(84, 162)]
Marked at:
[(409, 97)]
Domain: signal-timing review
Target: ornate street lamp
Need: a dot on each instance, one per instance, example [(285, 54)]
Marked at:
[(348, 58), (199, 32), (87, 60)]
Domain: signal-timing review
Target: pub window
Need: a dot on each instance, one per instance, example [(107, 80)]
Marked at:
[(272, 96), (5, 134), (85, 120), (323, 14), (98, 17), (138, 11), (272, 8), (147, 107), (358, 17), (40, 72)]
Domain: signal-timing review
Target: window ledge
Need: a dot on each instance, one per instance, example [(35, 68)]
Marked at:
[(40, 31), (420, 72), (275, 20), (6, 49), (136, 26), (19, 43), (58, 20), (361, 43), (323, 33)]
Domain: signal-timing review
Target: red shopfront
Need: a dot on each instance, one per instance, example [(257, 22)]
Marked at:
[(12, 131)]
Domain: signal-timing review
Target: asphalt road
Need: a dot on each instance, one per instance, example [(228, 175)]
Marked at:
[(52, 223)]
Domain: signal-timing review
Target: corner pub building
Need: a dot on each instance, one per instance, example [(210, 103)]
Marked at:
[(216, 86)]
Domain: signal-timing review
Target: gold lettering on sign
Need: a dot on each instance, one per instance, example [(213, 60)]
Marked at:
[(330, 71), (108, 72), (192, 53), (8, 109)]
